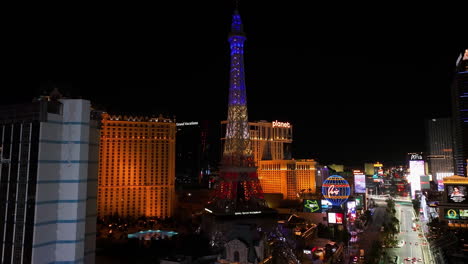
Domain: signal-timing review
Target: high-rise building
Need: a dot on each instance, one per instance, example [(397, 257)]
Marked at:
[(48, 181), (196, 158), (277, 171), (136, 166), (288, 177), (439, 147), (188, 153), (270, 140), (460, 114)]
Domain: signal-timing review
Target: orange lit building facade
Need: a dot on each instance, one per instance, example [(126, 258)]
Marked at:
[(136, 166), (288, 177), (277, 171)]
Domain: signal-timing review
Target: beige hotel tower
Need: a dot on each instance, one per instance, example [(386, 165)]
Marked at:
[(136, 166)]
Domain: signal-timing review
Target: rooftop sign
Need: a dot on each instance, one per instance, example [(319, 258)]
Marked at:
[(281, 124)]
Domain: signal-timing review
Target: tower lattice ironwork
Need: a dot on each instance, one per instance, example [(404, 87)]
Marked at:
[(238, 190)]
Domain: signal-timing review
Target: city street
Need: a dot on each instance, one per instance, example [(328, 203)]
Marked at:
[(414, 246)]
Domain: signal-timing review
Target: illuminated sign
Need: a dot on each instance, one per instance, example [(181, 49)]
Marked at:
[(281, 124), (326, 204), (378, 164), (463, 213), (312, 206), (465, 57), (339, 218), (336, 189), (187, 124), (351, 205), (425, 182), (416, 171), (415, 156), (332, 218), (359, 202), (451, 214), (359, 183), (440, 185), (456, 194), (247, 213)]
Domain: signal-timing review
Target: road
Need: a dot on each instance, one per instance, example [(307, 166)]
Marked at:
[(371, 234), (415, 244)]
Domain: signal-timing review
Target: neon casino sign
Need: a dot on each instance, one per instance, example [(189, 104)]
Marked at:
[(281, 124)]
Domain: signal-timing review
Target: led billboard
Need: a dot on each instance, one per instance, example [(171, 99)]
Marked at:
[(339, 218), (463, 213), (457, 194), (416, 171), (351, 206), (326, 205), (359, 202), (360, 183), (312, 206), (332, 218), (335, 218), (451, 214)]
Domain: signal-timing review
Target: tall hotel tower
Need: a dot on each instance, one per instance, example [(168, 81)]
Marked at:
[(460, 114), (136, 166), (48, 181), (440, 147)]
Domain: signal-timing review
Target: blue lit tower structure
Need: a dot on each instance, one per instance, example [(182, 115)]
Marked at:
[(238, 190), (238, 221), (460, 114)]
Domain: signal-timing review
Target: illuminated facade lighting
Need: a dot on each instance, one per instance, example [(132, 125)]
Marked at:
[(136, 166)]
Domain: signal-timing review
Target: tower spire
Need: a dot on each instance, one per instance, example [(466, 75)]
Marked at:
[(239, 187)]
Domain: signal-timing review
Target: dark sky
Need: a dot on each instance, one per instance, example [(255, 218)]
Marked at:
[(356, 83)]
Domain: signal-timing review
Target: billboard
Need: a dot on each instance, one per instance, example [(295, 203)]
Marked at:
[(332, 218), (457, 193), (359, 202), (312, 206), (335, 218), (425, 182), (351, 214), (440, 185), (359, 183), (463, 213), (326, 205), (416, 171)]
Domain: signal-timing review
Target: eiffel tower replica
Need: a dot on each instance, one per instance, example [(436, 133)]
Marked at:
[(238, 210)]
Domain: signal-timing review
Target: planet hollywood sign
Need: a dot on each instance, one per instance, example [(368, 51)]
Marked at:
[(281, 124)]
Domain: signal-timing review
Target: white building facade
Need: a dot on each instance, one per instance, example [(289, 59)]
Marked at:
[(49, 171)]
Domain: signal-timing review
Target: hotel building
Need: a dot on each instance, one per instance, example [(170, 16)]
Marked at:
[(277, 171), (460, 114), (48, 181), (440, 148), (136, 166)]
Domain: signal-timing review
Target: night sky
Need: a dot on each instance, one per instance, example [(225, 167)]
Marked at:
[(357, 84)]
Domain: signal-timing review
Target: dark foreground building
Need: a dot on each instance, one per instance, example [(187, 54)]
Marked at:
[(460, 114)]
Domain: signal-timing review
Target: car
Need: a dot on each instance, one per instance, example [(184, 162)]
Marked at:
[(408, 259), (416, 243), (400, 243), (419, 259)]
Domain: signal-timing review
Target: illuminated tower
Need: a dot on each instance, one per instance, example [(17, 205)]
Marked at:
[(238, 188)]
